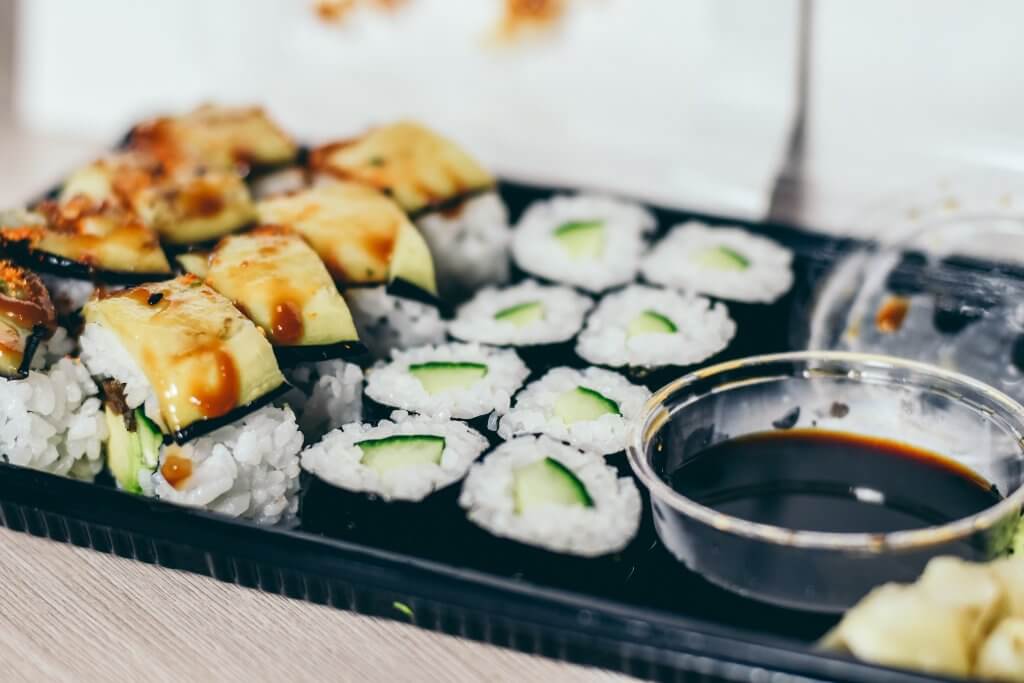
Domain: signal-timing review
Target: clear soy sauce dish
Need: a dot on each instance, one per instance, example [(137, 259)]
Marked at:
[(805, 479)]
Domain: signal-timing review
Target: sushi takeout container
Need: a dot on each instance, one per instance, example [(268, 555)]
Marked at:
[(647, 616)]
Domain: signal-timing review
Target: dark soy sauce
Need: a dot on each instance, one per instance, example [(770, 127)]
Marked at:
[(817, 480)]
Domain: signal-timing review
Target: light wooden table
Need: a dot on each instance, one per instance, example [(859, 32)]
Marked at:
[(68, 614)]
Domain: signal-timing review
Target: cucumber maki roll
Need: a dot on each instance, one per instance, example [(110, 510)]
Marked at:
[(649, 327), (590, 409), (186, 381), (726, 263), (79, 243), (406, 458), (280, 283), (185, 204), (243, 139), (543, 493), (463, 381), (447, 192), (591, 242), (527, 314)]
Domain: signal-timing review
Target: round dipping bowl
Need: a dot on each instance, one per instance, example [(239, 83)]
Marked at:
[(878, 397)]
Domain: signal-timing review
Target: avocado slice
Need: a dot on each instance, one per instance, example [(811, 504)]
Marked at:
[(131, 452), (723, 258), (581, 239), (521, 315), (437, 377), (651, 322), (582, 404), (548, 482), (401, 450)]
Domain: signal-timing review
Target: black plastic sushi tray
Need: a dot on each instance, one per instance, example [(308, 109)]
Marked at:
[(644, 614)]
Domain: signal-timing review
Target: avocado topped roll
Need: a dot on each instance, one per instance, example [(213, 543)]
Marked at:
[(361, 235), (726, 263), (27, 318), (448, 193), (540, 492), (590, 242), (464, 381), (243, 138), (590, 409), (183, 352), (184, 203), (647, 327), (280, 283)]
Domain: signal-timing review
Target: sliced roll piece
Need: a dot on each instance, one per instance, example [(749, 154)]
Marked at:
[(414, 165), (543, 493), (590, 409), (526, 314), (52, 420), (406, 458), (86, 239), (363, 237), (184, 203), (183, 352), (723, 262), (453, 380), (280, 283), (219, 137), (587, 241), (325, 395), (647, 327), (27, 318), (386, 322)]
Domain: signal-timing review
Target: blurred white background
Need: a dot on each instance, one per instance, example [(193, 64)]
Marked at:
[(688, 102)]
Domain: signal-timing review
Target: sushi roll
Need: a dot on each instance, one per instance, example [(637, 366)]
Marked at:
[(538, 320), (50, 418), (448, 193), (546, 494), (187, 380), (464, 381), (393, 483), (280, 283), (590, 242), (725, 263), (590, 409), (386, 322), (215, 137), (80, 242), (405, 459), (642, 327), (184, 204)]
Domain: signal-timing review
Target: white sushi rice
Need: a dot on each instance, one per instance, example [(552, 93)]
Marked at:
[(392, 385), (327, 394), (676, 261), (469, 244), (51, 350), (106, 357), (53, 421), (248, 469), (564, 310), (68, 294), (387, 322), (607, 527), (337, 459), (534, 409), (537, 250), (703, 329)]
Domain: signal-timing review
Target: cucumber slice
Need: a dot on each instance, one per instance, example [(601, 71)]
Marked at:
[(723, 258), (548, 482), (651, 322), (401, 450), (437, 377), (522, 315), (124, 452), (582, 404), (150, 439), (582, 239)]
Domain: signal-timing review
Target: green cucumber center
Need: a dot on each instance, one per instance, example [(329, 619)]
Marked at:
[(582, 404), (723, 258), (548, 482), (437, 377), (651, 322), (521, 315), (401, 450), (581, 239)]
